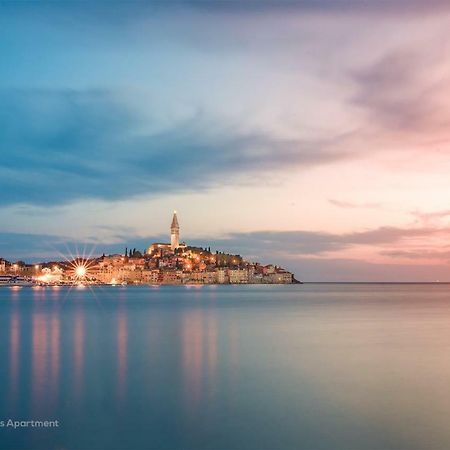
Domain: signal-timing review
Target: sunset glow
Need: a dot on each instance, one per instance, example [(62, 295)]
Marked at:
[(297, 133)]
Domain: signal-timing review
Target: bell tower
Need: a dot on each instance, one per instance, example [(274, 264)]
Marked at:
[(174, 232)]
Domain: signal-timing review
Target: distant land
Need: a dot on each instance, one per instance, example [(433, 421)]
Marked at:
[(171, 263)]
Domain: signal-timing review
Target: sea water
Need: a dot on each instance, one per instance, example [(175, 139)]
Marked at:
[(313, 366)]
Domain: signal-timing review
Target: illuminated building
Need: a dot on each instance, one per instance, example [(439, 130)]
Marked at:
[(238, 276), (174, 232), (162, 248), (162, 263)]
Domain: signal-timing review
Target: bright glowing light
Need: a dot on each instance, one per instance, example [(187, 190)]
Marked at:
[(44, 278), (80, 271), (75, 270)]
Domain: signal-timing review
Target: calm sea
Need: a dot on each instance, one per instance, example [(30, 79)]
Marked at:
[(314, 366)]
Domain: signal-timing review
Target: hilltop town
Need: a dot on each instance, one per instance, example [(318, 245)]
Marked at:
[(161, 263)]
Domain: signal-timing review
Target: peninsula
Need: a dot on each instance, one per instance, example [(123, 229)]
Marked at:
[(161, 263)]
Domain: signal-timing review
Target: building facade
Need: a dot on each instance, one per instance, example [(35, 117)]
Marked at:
[(174, 232)]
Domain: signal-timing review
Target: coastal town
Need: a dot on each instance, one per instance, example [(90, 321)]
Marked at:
[(173, 263)]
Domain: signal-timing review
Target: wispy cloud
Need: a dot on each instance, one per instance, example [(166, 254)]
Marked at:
[(297, 250), (299, 242), (322, 243), (402, 92), (420, 254), (430, 217), (119, 10), (354, 205), (65, 145)]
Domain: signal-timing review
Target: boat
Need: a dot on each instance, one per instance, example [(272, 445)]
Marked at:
[(15, 280)]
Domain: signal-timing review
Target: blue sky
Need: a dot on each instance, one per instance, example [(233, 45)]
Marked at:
[(309, 134)]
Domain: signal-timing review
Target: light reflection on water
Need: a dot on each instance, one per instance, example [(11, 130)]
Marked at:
[(122, 340), (313, 366), (14, 342), (78, 351)]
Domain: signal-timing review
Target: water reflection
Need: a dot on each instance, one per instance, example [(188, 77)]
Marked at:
[(15, 292), (39, 358), (233, 359), (122, 357), (78, 352), (38, 293), (192, 336), (212, 353), (54, 353), (202, 349), (193, 370), (14, 348)]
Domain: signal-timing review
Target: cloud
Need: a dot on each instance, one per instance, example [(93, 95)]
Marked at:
[(41, 247), (324, 6), (402, 91), (420, 254), (353, 205), (292, 244), (321, 243), (31, 247), (313, 256), (428, 217), (119, 10), (264, 244), (60, 146)]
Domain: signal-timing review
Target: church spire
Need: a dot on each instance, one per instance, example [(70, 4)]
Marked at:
[(175, 221), (174, 232)]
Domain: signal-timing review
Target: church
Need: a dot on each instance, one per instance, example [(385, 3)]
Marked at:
[(175, 244)]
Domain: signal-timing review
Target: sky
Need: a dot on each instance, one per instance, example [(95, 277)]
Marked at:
[(310, 134)]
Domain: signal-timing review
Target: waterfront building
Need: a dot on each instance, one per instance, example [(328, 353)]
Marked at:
[(238, 276), (222, 275), (254, 275), (171, 277), (200, 277), (150, 276), (279, 277), (209, 277), (194, 277), (105, 273), (162, 263)]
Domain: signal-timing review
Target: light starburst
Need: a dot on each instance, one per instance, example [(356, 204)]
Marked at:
[(79, 268)]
